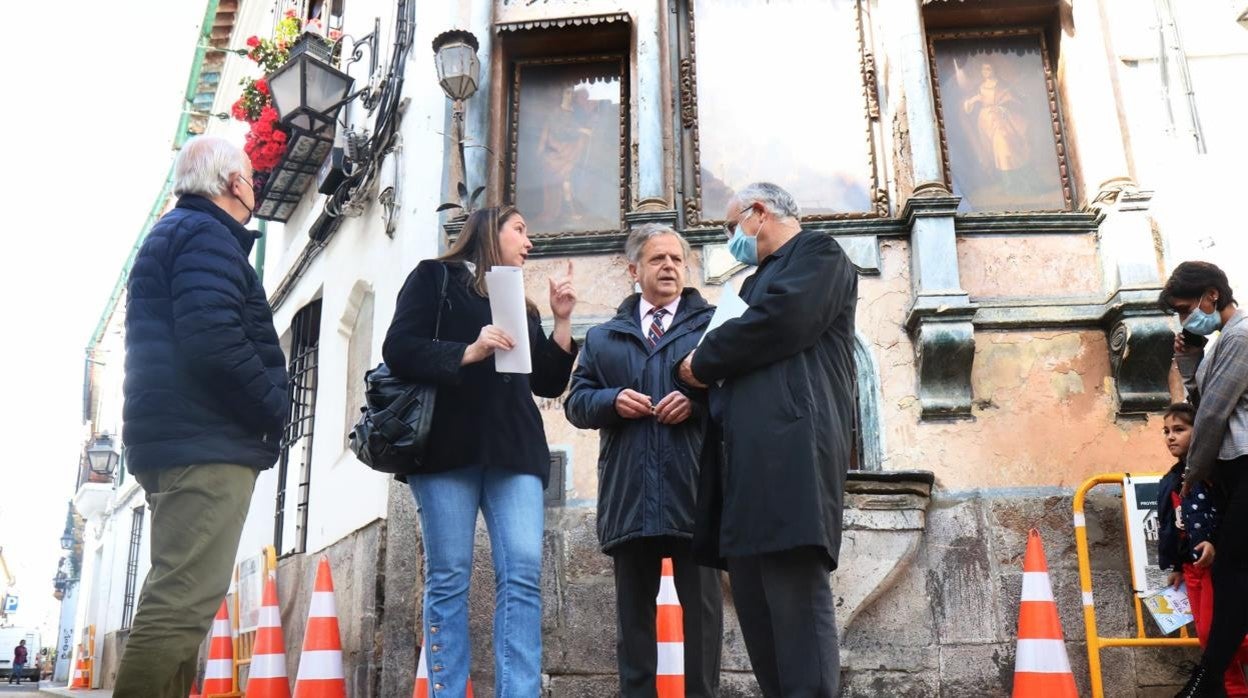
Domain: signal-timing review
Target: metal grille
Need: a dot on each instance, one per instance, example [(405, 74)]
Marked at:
[(305, 332), (132, 566)]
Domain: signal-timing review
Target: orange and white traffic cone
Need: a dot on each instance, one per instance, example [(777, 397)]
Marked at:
[(320, 666), (1041, 665), (421, 690), (195, 693), (219, 674), (669, 626), (80, 673), (267, 677)]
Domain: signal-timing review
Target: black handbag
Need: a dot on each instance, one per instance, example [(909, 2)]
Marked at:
[(393, 430)]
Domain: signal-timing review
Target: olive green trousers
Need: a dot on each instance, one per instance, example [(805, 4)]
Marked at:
[(197, 518)]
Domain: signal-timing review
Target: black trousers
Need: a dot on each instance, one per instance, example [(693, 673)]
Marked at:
[(785, 607), (637, 567), (1230, 567)]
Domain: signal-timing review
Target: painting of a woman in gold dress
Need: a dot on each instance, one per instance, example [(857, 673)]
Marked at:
[(998, 123)]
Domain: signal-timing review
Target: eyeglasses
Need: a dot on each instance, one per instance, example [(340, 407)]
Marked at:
[(730, 227)]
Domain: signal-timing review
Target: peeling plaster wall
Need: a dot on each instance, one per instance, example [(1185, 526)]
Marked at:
[(1044, 410), (1052, 266)]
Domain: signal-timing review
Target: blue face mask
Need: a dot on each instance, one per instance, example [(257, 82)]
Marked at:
[(1201, 323), (743, 247)]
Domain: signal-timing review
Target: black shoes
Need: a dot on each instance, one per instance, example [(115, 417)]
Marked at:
[(1202, 684)]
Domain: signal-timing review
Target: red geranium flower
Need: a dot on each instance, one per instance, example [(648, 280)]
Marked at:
[(262, 86), (253, 41)]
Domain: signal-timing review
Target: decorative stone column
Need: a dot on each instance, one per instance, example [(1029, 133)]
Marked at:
[(940, 318), (653, 204), (1140, 335), (480, 21)]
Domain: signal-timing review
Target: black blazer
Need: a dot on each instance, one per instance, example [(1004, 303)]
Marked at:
[(481, 417)]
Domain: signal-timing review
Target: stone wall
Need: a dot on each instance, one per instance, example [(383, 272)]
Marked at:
[(355, 562), (948, 627), (940, 621)]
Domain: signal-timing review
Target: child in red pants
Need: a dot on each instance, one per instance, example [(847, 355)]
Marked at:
[(1187, 529)]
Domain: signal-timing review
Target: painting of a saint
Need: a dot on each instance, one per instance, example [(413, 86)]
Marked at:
[(996, 113), (567, 158)]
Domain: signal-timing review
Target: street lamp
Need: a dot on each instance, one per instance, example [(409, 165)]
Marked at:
[(459, 70), (103, 455), (307, 91)]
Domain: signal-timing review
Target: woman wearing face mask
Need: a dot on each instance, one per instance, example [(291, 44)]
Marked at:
[(487, 448), (1216, 378)]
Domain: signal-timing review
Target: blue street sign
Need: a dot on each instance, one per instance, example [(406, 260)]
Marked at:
[(10, 604)]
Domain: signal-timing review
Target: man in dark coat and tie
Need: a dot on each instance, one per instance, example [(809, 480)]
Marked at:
[(778, 445), (651, 439)]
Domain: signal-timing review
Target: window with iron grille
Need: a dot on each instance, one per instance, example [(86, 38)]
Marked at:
[(294, 468), (132, 566)]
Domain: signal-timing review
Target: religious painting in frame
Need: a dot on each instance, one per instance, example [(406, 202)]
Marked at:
[(1001, 128), (806, 118), (569, 144)]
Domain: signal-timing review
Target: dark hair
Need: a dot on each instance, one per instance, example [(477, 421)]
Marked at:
[(478, 243), (1182, 410), (1190, 280)]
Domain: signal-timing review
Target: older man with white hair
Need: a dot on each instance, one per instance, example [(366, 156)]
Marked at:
[(778, 445), (205, 402)]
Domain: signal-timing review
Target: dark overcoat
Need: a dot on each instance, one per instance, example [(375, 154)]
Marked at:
[(779, 443), (647, 471)]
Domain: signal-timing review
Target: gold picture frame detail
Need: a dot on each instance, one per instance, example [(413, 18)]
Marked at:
[(513, 132), (1050, 84), (691, 168)]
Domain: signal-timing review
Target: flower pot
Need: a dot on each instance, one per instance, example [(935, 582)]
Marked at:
[(314, 45)]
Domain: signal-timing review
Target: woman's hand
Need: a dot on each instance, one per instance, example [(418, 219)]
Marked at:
[(1175, 579), (563, 296), (490, 340)]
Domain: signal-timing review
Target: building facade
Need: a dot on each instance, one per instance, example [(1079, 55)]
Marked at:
[(1012, 179)]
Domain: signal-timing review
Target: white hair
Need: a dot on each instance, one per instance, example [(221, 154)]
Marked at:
[(772, 196), (204, 166), (637, 240)]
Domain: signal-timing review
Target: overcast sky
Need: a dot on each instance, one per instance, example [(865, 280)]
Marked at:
[(92, 103)]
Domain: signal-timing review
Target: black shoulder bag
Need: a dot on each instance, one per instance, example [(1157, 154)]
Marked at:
[(393, 430)]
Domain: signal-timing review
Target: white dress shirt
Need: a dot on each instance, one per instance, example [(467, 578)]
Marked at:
[(645, 308)]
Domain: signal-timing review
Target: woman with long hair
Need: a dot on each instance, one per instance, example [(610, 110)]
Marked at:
[(487, 448), (1216, 378)]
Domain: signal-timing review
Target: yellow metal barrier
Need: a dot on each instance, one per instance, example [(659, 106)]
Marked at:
[(1094, 641), (244, 642)]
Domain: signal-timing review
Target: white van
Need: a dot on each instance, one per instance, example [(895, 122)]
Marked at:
[(9, 638)]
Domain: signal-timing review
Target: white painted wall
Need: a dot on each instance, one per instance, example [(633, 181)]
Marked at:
[(1189, 187), (344, 495)]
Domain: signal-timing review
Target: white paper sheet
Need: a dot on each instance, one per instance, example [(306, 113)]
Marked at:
[(730, 307), (507, 309)]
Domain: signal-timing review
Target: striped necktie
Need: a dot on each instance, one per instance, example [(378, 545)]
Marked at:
[(656, 326)]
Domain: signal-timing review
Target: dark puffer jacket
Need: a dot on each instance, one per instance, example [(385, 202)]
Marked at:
[(647, 471), (205, 376)]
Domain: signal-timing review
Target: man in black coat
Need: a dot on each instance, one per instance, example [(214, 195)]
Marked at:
[(778, 447), (651, 437), (205, 402)]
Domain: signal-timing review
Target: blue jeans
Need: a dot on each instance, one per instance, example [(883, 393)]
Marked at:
[(515, 516)]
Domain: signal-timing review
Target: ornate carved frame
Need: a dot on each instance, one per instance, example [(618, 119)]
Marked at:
[(691, 161), (1050, 84), (513, 133)]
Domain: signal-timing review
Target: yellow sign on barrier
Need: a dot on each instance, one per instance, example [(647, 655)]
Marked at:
[(246, 573), (1094, 641)]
